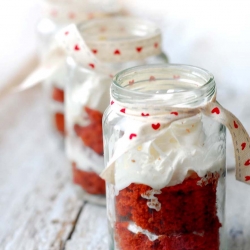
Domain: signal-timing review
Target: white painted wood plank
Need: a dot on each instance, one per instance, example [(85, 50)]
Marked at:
[(38, 205), (91, 232), (237, 214)]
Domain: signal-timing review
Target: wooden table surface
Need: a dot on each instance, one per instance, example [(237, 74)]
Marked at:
[(39, 207)]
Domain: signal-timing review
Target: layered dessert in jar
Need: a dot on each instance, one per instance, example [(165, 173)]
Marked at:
[(84, 141), (57, 15), (91, 137), (114, 44), (55, 93), (168, 192), (58, 116)]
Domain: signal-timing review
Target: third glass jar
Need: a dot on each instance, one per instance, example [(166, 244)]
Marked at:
[(118, 43), (168, 190), (57, 15)]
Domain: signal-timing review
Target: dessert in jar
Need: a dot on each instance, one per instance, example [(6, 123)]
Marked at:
[(57, 15), (115, 44), (165, 160)]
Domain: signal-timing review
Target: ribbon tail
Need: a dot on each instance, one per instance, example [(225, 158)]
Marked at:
[(240, 137), (52, 61), (108, 173), (36, 77)]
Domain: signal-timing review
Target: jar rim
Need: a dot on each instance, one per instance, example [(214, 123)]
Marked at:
[(191, 86), (121, 39), (139, 29)]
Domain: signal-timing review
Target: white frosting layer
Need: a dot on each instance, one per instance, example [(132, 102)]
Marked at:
[(172, 157), (55, 107), (92, 92), (85, 158), (153, 202), (132, 227)]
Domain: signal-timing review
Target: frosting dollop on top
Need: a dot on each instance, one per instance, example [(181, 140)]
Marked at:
[(169, 159)]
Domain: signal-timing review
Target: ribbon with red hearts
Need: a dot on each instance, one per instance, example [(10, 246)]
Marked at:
[(68, 11), (150, 123), (109, 40)]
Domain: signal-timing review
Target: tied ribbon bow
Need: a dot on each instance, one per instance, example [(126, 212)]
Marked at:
[(93, 51), (153, 123)]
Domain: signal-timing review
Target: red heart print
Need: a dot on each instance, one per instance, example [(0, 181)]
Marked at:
[(151, 78), (94, 51), (102, 29), (142, 114), (91, 65), (91, 16), (66, 33), (123, 110), (215, 110), (117, 52), (156, 126), (247, 178), (111, 76), (112, 102), (235, 124), (243, 145), (131, 82), (156, 45), (176, 76), (174, 113), (247, 163), (77, 47), (139, 49), (72, 15), (53, 12), (131, 136)]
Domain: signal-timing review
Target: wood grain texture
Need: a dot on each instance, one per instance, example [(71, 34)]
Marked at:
[(41, 210), (237, 214), (38, 205), (91, 232)]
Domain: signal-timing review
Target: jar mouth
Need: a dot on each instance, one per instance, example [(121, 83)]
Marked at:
[(171, 85), (112, 29), (121, 39)]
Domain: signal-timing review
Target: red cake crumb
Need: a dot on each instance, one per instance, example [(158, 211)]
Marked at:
[(89, 181), (59, 122), (185, 208), (58, 94), (187, 241), (91, 135)]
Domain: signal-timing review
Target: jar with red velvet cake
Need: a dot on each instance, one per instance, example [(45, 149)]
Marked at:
[(56, 15), (116, 43), (165, 160)]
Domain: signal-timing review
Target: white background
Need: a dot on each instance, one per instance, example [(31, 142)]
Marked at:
[(211, 34)]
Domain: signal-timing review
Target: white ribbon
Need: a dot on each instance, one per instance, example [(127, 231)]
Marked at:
[(109, 40), (152, 123)]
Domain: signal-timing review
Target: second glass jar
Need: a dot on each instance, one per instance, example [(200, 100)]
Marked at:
[(88, 91)]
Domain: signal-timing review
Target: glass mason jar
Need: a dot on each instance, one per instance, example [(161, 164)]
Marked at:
[(87, 94), (58, 14), (168, 190)]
